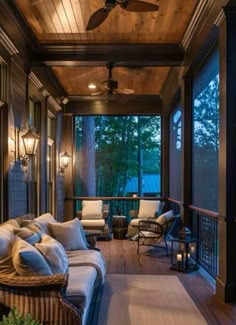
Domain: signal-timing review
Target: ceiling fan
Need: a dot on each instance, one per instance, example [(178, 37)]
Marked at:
[(101, 14), (110, 86)]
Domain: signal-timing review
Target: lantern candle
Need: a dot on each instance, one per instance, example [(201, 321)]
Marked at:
[(179, 257)]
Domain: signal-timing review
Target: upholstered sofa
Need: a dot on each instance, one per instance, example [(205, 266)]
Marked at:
[(48, 270)]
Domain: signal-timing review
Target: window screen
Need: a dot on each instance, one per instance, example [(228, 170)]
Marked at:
[(206, 134), (175, 153)]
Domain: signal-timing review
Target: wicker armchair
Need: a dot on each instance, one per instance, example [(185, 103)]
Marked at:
[(43, 297), (152, 233)]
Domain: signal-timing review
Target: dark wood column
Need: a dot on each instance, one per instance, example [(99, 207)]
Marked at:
[(67, 144), (226, 281), (186, 104), (165, 155)]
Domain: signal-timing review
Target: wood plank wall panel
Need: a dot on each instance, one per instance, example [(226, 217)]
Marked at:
[(17, 176), (54, 20)]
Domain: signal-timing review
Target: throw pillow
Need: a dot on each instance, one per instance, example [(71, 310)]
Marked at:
[(27, 260), (53, 253), (148, 208), (68, 234), (43, 220), (163, 218), (92, 209), (6, 241), (28, 235)]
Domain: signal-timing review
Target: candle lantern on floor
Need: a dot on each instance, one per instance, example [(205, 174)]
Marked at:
[(183, 252)]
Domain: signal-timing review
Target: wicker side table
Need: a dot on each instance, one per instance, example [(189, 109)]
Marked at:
[(119, 226)]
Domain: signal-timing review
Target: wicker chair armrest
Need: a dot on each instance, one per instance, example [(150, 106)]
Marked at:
[(150, 225), (34, 281), (133, 214)]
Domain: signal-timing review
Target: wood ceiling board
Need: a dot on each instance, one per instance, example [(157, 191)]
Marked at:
[(143, 81), (56, 20)]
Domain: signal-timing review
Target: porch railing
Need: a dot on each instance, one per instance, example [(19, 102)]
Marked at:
[(205, 229), (117, 205)]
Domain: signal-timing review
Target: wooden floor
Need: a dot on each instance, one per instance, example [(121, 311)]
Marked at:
[(121, 257)]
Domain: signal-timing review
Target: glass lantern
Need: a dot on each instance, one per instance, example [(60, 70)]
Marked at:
[(184, 254)]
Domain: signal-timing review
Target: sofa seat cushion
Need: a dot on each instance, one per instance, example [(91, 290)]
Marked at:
[(93, 223), (81, 285)]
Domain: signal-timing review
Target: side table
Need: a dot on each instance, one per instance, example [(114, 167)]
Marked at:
[(91, 236), (119, 226)]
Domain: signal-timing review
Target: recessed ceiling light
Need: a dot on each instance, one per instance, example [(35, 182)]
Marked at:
[(92, 86)]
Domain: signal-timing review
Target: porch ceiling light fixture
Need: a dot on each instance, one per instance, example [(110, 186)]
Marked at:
[(92, 86), (64, 160), (30, 141)]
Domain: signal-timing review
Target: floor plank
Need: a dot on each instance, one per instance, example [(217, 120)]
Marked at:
[(121, 258)]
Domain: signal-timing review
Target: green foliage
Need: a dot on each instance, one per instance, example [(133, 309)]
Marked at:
[(15, 318), (120, 141)]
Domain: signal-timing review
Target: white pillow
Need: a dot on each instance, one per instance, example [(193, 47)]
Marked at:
[(54, 254), (27, 260), (92, 209), (68, 234), (148, 208), (163, 218)]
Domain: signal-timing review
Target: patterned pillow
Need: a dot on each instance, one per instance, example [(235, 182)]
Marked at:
[(27, 260), (28, 235), (68, 234), (53, 253)]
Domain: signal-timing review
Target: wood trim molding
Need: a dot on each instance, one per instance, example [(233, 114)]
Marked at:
[(201, 12), (54, 104), (7, 43), (38, 85), (130, 55)]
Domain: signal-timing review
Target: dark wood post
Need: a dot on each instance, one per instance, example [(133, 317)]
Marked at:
[(69, 180), (226, 281), (165, 155), (186, 136)]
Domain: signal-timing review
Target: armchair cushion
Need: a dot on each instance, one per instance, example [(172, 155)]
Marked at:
[(92, 209), (27, 260), (54, 254), (148, 208), (69, 234), (165, 217)]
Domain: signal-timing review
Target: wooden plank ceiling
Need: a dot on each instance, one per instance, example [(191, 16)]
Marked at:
[(64, 22)]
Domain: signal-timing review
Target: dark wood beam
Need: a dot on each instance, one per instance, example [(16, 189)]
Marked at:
[(130, 55), (125, 105)]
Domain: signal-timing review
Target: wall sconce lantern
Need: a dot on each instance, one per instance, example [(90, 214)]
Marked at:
[(64, 160), (30, 142)]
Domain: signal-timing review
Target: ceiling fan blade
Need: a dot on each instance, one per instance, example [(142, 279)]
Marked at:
[(125, 91), (97, 18), (99, 93), (140, 6)]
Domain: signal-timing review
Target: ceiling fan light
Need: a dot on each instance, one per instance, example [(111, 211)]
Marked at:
[(92, 86)]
